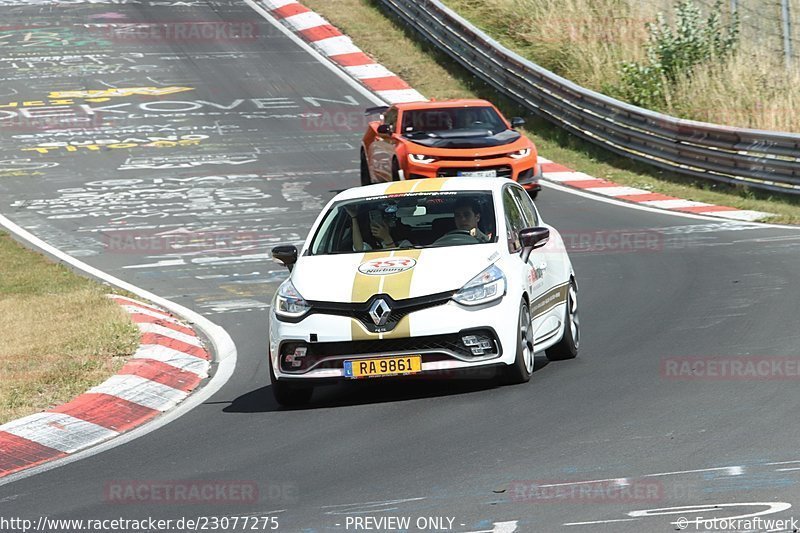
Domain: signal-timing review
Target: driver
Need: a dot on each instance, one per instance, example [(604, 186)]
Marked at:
[(467, 215)]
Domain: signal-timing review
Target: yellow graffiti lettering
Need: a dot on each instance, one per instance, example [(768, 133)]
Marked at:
[(119, 92), (122, 145), (162, 144)]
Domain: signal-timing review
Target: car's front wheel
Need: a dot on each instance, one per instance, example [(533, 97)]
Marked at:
[(522, 369), (289, 394), (567, 347), (365, 177), (395, 170)]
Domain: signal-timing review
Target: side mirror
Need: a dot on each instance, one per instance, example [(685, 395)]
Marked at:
[(385, 129), (517, 122), (285, 254), (532, 238)]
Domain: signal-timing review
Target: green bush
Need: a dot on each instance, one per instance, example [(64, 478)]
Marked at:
[(675, 52)]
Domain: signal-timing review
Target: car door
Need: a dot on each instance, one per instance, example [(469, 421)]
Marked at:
[(541, 280), (383, 148)]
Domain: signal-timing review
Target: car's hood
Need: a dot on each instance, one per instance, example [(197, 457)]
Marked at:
[(464, 138), (400, 274)]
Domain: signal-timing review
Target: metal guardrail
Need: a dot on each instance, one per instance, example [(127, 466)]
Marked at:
[(759, 159)]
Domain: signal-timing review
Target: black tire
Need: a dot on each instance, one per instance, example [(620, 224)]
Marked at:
[(287, 394), (567, 347), (533, 194), (522, 369), (366, 179), (395, 170)]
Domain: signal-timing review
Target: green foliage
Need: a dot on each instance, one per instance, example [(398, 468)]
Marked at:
[(675, 52)]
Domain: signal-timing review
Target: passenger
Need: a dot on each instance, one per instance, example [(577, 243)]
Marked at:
[(467, 216)]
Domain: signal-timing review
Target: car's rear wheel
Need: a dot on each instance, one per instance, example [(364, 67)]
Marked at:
[(365, 177), (533, 194), (395, 170), (289, 394), (522, 369), (567, 347)]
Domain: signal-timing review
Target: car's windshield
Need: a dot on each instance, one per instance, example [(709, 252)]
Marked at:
[(452, 119), (412, 220)]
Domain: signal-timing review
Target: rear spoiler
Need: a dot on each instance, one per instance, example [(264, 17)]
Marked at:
[(376, 110)]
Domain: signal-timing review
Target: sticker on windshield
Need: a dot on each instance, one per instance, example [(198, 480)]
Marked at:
[(386, 265)]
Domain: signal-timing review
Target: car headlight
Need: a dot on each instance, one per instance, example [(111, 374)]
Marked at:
[(486, 287), (421, 158), (519, 154), (289, 303)]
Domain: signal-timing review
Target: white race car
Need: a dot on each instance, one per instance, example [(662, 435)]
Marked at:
[(436, 277)]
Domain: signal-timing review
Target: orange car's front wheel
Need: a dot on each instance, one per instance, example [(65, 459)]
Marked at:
[(365, 177), (395, 170)]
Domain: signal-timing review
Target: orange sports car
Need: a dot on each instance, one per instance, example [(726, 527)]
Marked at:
[(446, 139)]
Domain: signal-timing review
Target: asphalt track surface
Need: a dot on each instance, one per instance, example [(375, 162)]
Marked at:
[(258, 174)]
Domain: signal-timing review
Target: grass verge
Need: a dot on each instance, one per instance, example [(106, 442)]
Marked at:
[(59, 334), (436, 76)]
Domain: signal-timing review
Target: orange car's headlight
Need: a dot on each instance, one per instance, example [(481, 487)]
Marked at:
[(519, 154), (421, 158)]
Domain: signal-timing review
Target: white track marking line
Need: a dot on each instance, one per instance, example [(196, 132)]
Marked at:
[(734, 471), (599, 522)]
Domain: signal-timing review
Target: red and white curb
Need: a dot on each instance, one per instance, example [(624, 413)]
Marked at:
[(171, 362), (337, 47), (578, 180)]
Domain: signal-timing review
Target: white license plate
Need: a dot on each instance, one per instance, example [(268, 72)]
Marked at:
[(478, 173)]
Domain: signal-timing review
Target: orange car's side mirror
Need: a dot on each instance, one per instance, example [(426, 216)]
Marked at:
[(385, 129)]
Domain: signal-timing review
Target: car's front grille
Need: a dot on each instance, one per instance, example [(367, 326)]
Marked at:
[(399, 309), (432, 348), (503, 171)]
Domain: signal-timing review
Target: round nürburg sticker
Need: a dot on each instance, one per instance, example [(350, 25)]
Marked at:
[(387, 265)]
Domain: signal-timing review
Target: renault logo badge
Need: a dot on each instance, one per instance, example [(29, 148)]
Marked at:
[(380, 311)]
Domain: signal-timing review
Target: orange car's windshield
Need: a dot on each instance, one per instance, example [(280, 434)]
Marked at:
[(452, 118)]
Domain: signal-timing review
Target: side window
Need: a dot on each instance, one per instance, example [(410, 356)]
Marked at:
[(390, 118), (515, 220), (526, 204)]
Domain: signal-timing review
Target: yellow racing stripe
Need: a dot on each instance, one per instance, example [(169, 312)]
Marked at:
[(400, 187), (431, 185)]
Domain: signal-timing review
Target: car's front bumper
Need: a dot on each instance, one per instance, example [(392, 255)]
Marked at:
[(436, 334), (526, 171)]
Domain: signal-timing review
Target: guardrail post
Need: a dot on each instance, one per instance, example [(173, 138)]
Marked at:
[(787, 32)]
